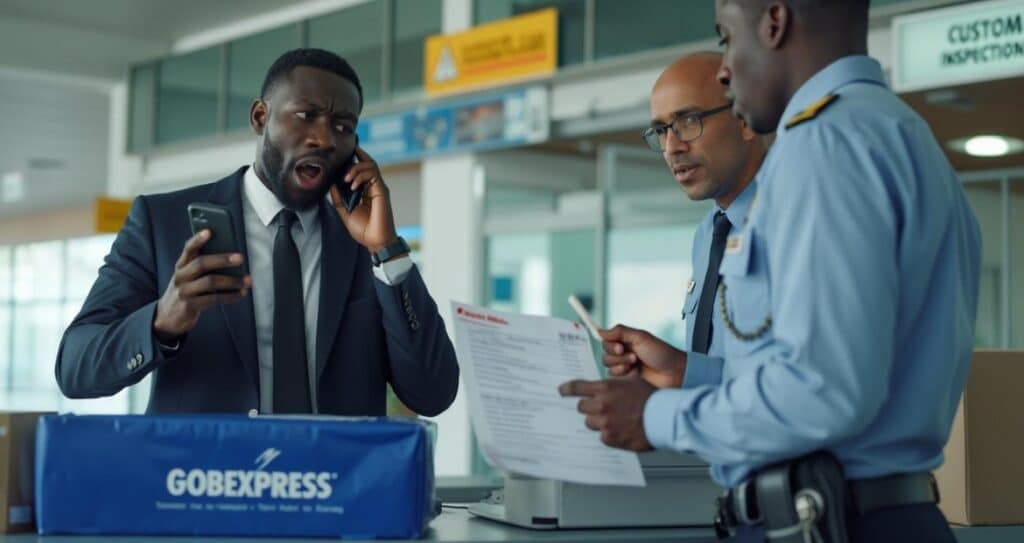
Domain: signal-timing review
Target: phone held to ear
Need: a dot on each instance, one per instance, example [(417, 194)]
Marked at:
[(216, 219), (350, 198)]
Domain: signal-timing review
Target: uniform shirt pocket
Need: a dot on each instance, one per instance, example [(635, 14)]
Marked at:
[(745, 295)]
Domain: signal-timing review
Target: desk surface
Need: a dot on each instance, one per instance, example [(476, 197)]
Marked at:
[(456, 525)]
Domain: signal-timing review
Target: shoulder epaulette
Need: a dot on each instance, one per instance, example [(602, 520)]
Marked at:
[(811, 111)]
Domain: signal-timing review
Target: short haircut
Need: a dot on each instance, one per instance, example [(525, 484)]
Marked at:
[(314, 58), (852, 5)]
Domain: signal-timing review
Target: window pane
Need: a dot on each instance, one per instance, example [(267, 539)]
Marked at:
[(535, 273), (355, 34), (37, 331), (38, 271), (85, 256), (189, 88), (1017, 263), (5, 275), (414, 21), (142, 119), (248, 61), (652, 24), (647, 284), (570, 21), (986, 200), (5, 346)]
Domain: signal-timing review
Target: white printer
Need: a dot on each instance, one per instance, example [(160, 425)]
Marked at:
[(679, 492)]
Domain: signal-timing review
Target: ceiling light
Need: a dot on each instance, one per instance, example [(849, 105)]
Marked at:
[(12, 187), (987, 145)]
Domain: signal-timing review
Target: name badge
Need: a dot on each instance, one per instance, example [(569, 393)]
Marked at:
[(733, 245), (690, 285)]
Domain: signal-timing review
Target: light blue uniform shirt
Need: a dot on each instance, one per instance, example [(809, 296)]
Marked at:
[(860, 262), (708, 369)]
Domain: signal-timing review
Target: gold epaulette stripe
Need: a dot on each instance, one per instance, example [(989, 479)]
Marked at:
[(812, 110)]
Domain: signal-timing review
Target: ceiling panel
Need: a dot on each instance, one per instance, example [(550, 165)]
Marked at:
[(56, 136)]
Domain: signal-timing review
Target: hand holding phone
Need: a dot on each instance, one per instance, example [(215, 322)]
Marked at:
[(371, 224), (210, 271), (349, 197), (216, 219)]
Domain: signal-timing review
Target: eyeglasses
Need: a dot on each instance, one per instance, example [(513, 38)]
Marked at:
[(687, 127)]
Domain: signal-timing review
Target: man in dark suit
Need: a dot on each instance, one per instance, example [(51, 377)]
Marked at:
[(330, 310)]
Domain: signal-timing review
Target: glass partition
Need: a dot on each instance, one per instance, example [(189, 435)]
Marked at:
[(415, 20), (188, 93), (355, 34), (248, 61), (653, 24)]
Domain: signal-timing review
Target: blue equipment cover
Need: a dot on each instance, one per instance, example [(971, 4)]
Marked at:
[(234, 475)]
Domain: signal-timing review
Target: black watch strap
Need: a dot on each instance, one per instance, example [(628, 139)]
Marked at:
[(396, 247)]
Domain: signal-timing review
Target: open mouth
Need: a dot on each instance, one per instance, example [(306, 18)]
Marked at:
[(309, 174)]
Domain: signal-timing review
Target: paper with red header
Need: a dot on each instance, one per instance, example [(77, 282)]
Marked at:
[(512, 365)]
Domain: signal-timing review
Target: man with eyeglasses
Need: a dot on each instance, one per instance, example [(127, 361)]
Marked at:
[(712, 156), (849, 297)]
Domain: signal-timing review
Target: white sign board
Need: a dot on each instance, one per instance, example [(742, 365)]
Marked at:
[(962, 44)]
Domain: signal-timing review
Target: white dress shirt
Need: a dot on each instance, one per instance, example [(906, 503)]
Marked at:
[(260, 208)]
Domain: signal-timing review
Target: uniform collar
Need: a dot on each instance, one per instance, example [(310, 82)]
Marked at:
[(267, 206), (737, 212), (841, 72)]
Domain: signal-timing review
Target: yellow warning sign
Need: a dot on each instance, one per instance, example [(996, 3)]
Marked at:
[(517, 48), (111, 214)]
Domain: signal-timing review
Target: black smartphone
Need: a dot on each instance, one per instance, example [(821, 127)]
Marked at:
[(216, 219), (349, 197)]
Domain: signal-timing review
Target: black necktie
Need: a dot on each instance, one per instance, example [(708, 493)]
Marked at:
[(702, 327), (291, 377)]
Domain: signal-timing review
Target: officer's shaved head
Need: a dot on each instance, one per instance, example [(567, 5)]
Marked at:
[(720, 162)]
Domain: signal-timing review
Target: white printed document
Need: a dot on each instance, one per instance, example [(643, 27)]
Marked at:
[(512, 365)]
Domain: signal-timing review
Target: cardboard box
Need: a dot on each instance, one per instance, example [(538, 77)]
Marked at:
[(17, 458), (982, 480)]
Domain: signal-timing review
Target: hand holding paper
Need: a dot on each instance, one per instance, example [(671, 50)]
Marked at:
[(513, 365)]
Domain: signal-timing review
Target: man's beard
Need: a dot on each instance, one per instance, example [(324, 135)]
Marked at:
[(277, 173)]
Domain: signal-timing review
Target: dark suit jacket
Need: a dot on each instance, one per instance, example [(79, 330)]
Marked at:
[(368, 333)]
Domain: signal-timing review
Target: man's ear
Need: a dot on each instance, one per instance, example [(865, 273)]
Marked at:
[(773, 26), (258, 116)]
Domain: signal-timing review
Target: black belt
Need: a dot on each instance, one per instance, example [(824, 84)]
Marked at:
[(740, 504)]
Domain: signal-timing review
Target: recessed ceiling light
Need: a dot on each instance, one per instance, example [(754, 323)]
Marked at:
[(987, 145), (12, 187)]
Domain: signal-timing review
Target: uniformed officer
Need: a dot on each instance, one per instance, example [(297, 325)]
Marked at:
[(712, 156), (849, 295)]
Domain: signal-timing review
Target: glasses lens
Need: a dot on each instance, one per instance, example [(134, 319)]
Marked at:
[(650, 136), (688, 128)]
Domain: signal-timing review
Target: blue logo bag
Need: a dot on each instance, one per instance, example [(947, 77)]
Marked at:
[(366, 478)]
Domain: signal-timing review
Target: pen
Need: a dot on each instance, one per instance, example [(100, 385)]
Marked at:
[(577, 306)]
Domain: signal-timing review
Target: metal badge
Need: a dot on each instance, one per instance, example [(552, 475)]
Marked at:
[(733, 245)]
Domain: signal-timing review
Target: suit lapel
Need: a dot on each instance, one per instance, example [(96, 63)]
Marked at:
[(239, 316), (337, 266)]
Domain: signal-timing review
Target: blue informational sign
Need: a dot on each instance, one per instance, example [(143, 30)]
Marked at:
[(511, 118), (233, 476)]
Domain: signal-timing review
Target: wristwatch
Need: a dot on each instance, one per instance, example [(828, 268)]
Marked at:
[(396, 247)]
